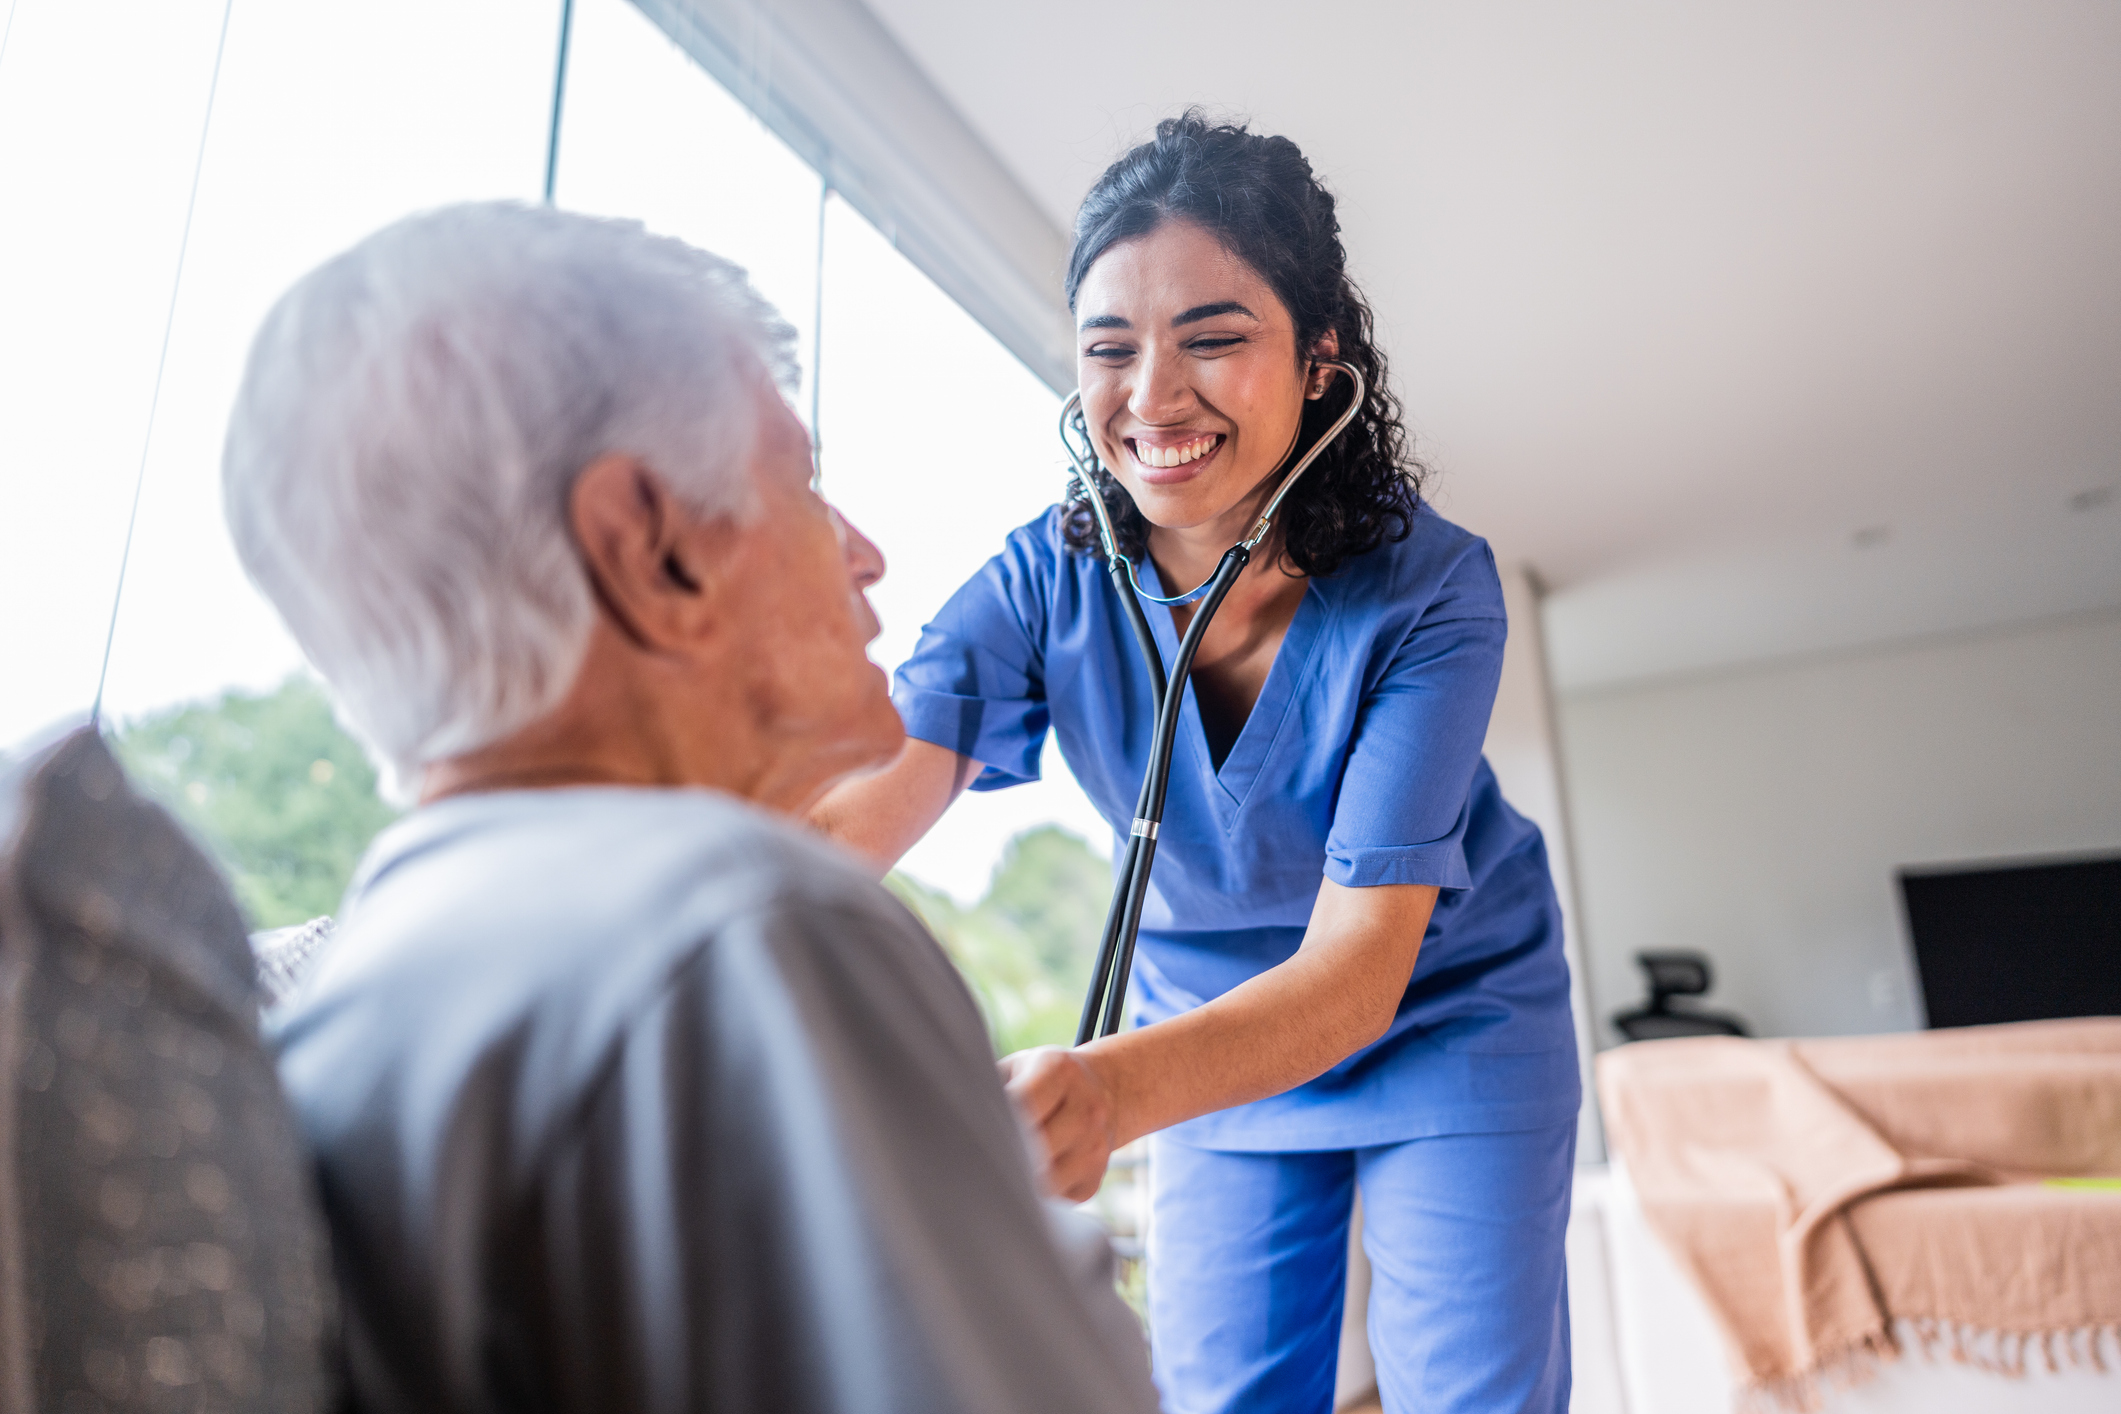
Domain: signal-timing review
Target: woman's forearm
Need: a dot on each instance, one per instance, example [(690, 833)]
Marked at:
[(1288, 1025), (879, 816)]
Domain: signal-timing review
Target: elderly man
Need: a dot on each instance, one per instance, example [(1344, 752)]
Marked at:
[(625, 1093)]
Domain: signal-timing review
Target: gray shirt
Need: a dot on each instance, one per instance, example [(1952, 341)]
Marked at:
[(638, 1099)]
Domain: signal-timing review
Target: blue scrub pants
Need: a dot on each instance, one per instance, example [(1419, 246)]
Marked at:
[(1248, 1257)]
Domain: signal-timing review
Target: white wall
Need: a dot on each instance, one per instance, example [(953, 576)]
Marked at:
[(1759, 814)]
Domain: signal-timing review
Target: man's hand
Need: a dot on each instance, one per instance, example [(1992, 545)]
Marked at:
[(1060, 1094)]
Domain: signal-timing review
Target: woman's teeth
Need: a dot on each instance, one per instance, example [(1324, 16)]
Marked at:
[(1175, 456)]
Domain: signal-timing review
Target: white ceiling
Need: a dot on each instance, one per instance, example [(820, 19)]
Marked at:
[(1756, 329)]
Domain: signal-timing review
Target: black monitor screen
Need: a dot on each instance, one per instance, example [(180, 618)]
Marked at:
[(2018, 942)]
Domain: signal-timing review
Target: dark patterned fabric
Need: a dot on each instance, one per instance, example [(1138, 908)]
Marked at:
[(160, 1242)]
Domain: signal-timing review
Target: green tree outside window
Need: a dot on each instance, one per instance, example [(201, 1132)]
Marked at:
[(274, 789)]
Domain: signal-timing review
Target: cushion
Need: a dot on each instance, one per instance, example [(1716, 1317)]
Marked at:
[(161, 1245)]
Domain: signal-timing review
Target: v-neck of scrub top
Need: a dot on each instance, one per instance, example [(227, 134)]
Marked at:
[(1263, 724)]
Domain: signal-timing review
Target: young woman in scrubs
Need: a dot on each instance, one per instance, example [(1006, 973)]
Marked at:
[(1350, 974)]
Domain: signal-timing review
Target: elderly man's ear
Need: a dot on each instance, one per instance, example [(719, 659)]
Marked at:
[(648, 554)]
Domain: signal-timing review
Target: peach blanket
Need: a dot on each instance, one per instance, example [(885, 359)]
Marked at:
[(1817, 1191)]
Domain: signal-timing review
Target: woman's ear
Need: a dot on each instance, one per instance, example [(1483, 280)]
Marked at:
[(1326, 345)]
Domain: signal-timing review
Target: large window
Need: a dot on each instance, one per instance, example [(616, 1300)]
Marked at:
[(325, 123), (161, 188)]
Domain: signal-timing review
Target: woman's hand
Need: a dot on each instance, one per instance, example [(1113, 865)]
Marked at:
[(1292, 1022), (1289, 1024), (1061, 1095)]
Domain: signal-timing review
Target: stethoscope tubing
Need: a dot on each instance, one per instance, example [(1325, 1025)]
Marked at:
[(1115, 963), (1104, 1005)]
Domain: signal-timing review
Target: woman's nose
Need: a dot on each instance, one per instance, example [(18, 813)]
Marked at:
[(1160, 393), (865, 563)]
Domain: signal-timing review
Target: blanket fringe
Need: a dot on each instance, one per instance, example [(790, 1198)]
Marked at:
[(2014, 1353), (1998, 1352), (1805, 1392)]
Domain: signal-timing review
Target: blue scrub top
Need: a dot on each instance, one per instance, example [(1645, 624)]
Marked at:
[(1361, 763)]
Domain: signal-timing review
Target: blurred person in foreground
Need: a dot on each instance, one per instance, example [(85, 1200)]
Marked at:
[(624, 1092)]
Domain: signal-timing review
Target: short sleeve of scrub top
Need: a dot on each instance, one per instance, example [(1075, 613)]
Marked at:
[(1360, 763)]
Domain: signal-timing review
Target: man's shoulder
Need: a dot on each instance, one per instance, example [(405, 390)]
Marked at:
[(557, 918), (590, 857)]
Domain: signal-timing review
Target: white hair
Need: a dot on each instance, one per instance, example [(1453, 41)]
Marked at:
[(410, 424)]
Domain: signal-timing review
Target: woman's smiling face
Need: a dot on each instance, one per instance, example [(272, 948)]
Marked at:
[(1191, 383)]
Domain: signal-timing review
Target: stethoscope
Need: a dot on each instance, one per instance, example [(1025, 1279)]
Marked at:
[(1107, 998)]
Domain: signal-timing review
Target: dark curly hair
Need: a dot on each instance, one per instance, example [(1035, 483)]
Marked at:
[(1257, 195)]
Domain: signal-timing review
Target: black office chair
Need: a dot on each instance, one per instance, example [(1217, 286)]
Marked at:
[(1675, 974)]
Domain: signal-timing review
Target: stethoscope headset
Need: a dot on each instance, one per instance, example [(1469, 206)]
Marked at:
[(1106, 1002)]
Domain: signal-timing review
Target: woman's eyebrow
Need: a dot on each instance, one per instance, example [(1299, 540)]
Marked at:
[(1209, 311), (1191, 316)]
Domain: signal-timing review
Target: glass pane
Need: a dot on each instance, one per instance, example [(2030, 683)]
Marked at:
[(96, 145), (329, 122), (937, 442), (647, 134)]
